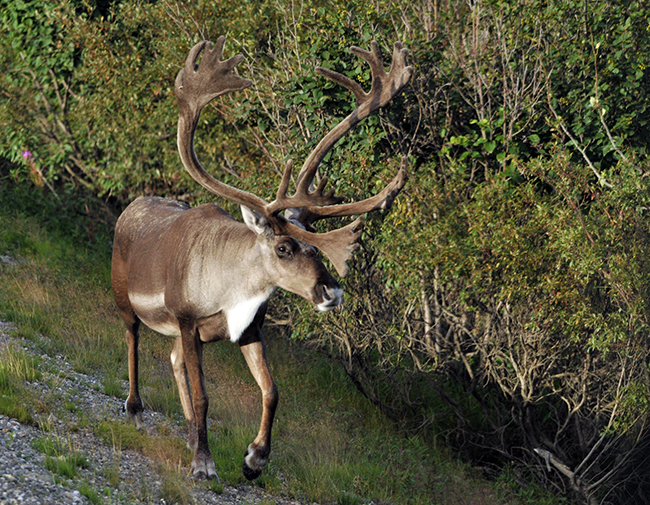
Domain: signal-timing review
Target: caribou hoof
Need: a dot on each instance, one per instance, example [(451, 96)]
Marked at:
[(249, 472), (203, 469), (201, 475), (134, 414)]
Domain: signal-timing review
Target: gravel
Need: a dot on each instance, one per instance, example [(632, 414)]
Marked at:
[(112, 475)]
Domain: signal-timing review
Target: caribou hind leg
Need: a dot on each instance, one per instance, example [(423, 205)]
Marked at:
[(258, 451), (133, 405), (180, 374)]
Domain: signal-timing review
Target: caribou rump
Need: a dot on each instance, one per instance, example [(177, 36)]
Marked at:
[(198, 275)]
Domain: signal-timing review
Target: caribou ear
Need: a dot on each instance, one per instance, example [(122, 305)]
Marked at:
[(256, 222)]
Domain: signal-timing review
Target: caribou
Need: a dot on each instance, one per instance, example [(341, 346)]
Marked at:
[(199, 275)]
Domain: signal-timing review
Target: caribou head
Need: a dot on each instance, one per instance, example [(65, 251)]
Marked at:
[(199, 275)]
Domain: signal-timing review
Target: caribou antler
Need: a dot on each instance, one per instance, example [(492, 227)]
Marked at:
[(384, 87), (197, 85)]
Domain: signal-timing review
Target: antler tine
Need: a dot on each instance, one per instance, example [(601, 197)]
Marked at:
[(302, 198), (381, 201), (343, 80), (283, 189), (373, 58), (217, 52), (190, 61)]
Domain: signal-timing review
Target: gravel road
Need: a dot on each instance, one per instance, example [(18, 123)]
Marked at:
[(116, 476)]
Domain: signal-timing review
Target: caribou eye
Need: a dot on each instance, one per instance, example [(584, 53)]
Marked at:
[(284, 251)]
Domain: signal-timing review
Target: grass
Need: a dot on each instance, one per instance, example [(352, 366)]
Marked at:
[(174, 487), (330, 444), (86, 490), (15, 369), (112, 474), (61, 458)]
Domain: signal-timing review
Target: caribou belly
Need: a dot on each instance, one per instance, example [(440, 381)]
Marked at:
[(151, 310)]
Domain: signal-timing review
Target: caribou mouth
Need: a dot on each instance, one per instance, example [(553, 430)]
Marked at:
[(333, 297)]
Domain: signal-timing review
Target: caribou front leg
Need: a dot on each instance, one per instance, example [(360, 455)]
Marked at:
[(202, 463), (258, 451)]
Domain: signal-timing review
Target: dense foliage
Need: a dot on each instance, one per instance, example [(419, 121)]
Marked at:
[(503, 302)]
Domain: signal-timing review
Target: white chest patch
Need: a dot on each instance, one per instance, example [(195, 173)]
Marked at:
[(241, 315)]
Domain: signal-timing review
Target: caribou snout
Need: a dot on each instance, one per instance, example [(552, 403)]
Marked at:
[(332, 297)]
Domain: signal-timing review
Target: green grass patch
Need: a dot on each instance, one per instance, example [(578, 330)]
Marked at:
[(121, 435), (61, 458), (113, 387), (216, 486), (65, 466), (174, 488), (16, 367), (11, 406), (112, 473), (91, 494)]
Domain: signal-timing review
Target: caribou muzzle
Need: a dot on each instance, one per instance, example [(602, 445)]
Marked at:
[(331, 296)]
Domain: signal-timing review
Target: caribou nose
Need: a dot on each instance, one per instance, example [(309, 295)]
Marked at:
[(332, 297)]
